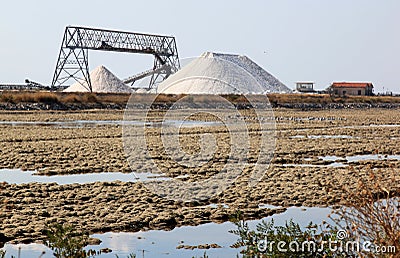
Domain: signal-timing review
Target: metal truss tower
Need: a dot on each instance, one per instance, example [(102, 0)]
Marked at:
[(73, 60)]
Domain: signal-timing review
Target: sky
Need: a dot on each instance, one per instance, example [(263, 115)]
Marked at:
[(295, 40)]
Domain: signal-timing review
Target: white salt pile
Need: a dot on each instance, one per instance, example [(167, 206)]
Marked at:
[(215, 73), (145, 90), (102, 80)]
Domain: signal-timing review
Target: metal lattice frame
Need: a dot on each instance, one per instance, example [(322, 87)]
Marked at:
[(73, 58)]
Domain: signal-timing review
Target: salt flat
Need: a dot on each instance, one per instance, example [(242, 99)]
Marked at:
[(129, 206)]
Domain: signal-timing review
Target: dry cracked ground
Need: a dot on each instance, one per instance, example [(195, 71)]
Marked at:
[(316, 152)]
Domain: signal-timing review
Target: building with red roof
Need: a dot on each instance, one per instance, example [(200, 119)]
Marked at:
[(352, 88)]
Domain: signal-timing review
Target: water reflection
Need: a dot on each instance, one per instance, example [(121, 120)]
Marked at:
[(357, 158), (158, 243), (93, 123), (17, 176)]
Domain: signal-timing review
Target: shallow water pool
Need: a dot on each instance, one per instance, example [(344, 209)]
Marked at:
[(17, 176), (159, 243), (93, 123)]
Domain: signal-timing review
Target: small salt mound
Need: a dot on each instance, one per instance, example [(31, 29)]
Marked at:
[(214, 73), (145, 90), (102, 80)]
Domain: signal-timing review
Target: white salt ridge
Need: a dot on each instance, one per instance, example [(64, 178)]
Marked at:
[(145, 90), (102, 81), (264, 78), (214, 73)]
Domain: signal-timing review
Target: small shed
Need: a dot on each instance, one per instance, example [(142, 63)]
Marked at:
[(305, 86), (352, 88)]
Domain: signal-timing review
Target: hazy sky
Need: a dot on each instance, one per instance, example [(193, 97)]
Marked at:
[(312, 40)]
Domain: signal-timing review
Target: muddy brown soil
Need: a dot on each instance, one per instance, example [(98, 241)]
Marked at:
[(297, 176)]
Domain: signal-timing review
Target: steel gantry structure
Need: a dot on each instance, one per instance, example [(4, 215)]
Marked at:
[(73, 60)]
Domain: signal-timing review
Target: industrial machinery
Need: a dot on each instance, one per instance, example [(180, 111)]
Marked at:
[(73, 59), (29, 85)]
